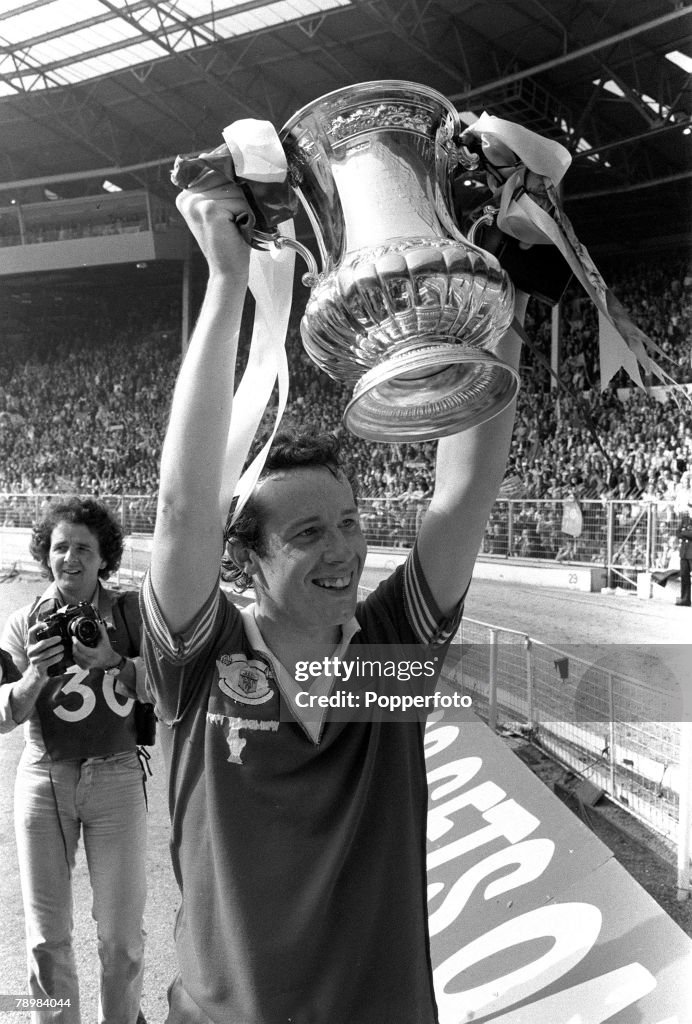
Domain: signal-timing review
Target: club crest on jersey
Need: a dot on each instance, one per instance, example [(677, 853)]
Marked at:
[(243, 680)]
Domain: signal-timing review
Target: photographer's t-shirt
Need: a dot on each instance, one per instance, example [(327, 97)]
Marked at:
[(79, 714)]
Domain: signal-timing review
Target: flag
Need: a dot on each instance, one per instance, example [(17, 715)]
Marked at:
[(572, 521)]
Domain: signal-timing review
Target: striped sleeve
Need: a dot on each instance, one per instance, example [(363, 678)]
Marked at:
[(184, 646), (421, 608)]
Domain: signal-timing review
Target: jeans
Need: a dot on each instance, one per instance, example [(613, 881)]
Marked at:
[(104, 798)]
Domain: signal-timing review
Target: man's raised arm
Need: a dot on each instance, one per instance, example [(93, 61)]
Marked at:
[(189, 521), (468, 473)]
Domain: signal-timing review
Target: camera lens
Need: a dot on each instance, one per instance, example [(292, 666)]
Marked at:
[(86, 630)]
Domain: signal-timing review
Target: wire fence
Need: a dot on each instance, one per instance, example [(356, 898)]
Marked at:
[(622, 537), (614, 729), (579, 703)]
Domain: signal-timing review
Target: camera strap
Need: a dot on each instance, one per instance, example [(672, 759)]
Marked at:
[(126, 607)]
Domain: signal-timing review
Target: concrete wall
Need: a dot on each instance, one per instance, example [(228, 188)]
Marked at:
[(14, 552), (513, 570)]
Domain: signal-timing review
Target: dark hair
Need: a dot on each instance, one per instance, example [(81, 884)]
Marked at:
[(299, 448), (88, 512)]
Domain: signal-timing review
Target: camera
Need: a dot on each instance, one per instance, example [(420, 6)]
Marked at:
[(72, 620)]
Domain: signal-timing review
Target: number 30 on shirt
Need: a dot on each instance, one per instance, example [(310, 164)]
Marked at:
[(88, 698)]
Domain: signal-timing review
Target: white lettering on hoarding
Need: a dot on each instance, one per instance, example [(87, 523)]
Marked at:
[(507, 820), (572, 928), (439, 739), (529, 859), (460, 773), (481, 797), (595, 1000)]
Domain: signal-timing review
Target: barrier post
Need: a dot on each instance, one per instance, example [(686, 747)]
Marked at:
[(609, 544), (611, 733), (529, 682), (492, 692), (651, 529)]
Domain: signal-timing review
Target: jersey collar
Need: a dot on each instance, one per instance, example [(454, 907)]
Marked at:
[(310, 719)]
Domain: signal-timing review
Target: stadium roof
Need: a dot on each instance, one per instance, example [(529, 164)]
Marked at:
[(114, 89), (52, 43)]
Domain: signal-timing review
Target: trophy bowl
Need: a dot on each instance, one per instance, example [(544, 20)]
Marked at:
[(405, 307)]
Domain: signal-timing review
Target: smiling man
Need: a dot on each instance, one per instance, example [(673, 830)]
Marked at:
[(298, 841)]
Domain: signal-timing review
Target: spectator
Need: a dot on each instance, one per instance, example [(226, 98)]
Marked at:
[(109, 440), (684, 533)]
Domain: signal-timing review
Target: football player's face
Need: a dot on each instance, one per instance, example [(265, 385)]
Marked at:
[(314, 550)]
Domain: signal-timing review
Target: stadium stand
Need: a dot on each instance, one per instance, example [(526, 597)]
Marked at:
[(84, 394), (85, 384)]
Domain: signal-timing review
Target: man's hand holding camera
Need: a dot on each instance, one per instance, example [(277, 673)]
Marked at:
[(101, 656), (43, 653), (72, 635), (84, 637)]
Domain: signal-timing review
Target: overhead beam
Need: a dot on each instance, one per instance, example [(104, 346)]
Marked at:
[(658, 129), (568, 58), (669, 179)]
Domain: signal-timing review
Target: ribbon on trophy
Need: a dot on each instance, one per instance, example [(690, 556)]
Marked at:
[(253, 159), (524, 171)]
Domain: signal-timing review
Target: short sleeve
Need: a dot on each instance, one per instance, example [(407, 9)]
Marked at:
[(402, 609), (177, 666)]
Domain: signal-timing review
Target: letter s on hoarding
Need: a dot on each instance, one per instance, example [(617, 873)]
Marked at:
[(574, 928), (531, 858)]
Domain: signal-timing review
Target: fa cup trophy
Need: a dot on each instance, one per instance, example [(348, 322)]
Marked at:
[(405, 307)]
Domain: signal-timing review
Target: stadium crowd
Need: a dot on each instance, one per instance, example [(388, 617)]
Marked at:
[(84, 396)]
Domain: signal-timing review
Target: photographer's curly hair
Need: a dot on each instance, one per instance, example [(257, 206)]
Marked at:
[(88, 512), (299, 448)]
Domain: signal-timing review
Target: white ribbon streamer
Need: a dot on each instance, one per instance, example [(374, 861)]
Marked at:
[(271, 283), (258, 156), (256, 150), (542, 156), (516, 151)]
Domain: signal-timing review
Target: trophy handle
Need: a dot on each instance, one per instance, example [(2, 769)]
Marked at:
[(470, 159), (487, 217), (266, 240)]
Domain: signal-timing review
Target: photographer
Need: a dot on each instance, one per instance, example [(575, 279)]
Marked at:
[(79, 769)]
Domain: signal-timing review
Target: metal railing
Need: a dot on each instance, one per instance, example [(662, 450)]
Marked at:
[(616, 730), (580, 704), (622, 537), (135, 512)]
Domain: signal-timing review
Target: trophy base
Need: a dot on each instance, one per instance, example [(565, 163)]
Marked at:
[(430, 392)]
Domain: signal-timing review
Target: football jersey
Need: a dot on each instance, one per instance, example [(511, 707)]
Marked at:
[(301, 864)]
